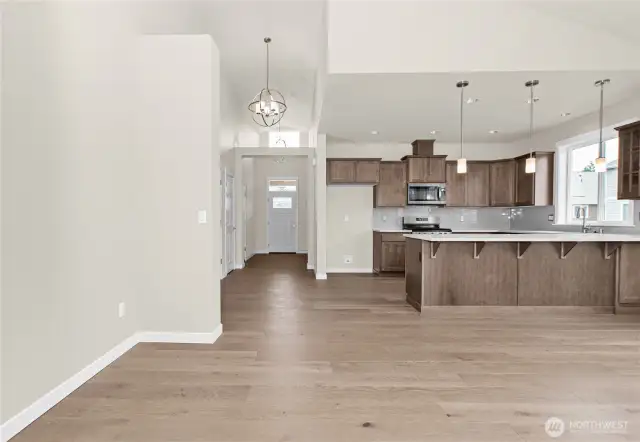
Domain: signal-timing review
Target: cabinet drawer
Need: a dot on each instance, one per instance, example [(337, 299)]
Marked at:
[(399, 237)]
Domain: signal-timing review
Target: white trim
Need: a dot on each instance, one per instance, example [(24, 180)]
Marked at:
[(348, 270), (39, 407), (261, 252), (310, 266), (240, 266), (302, 252), (181, 337), (321, 276), (268, 206), (23, 419)]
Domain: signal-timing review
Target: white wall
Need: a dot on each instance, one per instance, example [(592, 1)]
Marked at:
[(480, 36), (68, 238), (268, 167), (179, 288), (350, 228)]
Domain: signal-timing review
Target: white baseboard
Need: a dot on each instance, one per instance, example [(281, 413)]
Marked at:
[(310, 266), (261, 252), (321, 276), (23, 419), (348, 270), (239, 266), (181, 337)]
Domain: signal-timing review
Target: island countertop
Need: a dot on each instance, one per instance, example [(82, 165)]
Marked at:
[(525, 237)]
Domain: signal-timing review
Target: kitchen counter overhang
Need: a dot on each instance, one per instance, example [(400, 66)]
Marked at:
[(538, 269)]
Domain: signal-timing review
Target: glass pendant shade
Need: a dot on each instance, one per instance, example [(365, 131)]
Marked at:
[(601, 164), (462, 165), (530, 165)]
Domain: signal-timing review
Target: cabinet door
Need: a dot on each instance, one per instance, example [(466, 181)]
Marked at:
[(417, 170), (391, 189), (339, 171), (503, 176), (478, 194), (525, 186), (456, 185), (393, 256), (436, 170), (367, 171)]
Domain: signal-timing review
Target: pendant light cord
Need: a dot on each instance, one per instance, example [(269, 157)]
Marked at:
[(600, 148), (461, 120), (531, 123), (267, 43)]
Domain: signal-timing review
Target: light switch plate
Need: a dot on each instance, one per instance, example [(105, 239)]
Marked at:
[(202, 217), (346, 218), (122, 310)]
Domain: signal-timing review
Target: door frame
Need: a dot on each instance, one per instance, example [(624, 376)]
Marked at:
[(225, 262), (268, 207)]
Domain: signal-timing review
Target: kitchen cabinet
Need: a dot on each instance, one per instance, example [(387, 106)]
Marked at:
[(469, 189), (456, 185), (502, 182), (478, 184), (422, 170), (388, 252), (629, 161), (352, 170), (391, 190), (535, 189)]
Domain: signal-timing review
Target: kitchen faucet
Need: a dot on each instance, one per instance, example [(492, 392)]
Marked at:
[(583, 212)]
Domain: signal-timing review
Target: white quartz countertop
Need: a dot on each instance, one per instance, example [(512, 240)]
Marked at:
[(525, 237), (391, 231)]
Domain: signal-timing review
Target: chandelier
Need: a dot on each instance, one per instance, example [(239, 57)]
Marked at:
[(268, 106)]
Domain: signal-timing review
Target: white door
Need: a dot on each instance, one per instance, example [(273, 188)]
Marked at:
[(230, 228), (282, 215)]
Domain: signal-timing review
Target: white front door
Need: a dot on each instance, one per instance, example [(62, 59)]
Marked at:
[(230, 228), (282, 215)]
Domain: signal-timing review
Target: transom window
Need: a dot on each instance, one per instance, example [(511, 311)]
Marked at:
[(284, 139)]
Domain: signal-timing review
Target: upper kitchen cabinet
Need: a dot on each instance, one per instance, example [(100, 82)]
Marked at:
[(391, 190), (502, 182), (469, 189), (353, 170), (535, 189), (426, 169), (629, 161)]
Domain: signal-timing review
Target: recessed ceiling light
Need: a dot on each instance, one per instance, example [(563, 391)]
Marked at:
[(374, 132), (565, 114), (493, 131), (433, 132), (535, 100), (472, 100)]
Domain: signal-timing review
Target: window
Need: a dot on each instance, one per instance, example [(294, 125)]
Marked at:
[(589, 193), (282, 202), (284, 139), (282, 185)]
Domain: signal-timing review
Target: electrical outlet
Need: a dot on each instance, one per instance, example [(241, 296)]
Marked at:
[(461, 218), (551, 217), (122, 310), (348, 259), (384, 218)]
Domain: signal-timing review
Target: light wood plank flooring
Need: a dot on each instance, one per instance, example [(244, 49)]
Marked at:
[(347, 360)]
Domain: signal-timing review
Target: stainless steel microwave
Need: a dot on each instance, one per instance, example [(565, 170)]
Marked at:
[(426, 194)]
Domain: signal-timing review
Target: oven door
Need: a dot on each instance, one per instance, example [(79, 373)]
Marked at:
[(425, 194)]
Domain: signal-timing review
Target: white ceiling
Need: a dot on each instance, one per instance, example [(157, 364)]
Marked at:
[(405, 107)]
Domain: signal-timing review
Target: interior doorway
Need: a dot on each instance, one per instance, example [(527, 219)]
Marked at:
[(282, 215), (229, 224)]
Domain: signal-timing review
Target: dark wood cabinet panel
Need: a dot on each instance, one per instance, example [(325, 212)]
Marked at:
[(478, 184), (456, 185), (341, 171), (367, 171), (524, 184), (426, 169), (391, 189), (393, 256), (629, 161), (535, 189), (502, 175)]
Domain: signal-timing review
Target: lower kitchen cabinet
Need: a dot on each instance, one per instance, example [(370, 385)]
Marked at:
[(388, 252)]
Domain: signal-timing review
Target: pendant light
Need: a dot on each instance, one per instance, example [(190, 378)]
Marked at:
[(462, 161), (268, 106), (280, 142), (530, 165), (601, 161)]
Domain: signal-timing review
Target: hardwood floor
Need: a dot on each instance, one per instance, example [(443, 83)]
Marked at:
[(347, 360)]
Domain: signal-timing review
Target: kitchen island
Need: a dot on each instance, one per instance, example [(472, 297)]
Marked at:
[(537, 269)]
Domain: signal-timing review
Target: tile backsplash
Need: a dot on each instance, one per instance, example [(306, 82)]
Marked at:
[(487, 218)]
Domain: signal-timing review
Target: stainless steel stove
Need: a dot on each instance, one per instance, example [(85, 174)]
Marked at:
[(423, 224)]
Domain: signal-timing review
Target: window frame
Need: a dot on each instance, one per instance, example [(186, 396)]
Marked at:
[(274, 137), (564, 150)]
